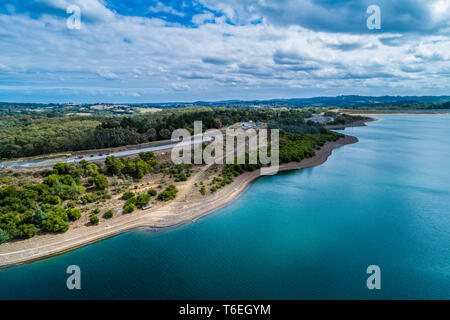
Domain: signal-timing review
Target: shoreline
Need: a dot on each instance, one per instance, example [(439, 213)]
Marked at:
[(172, 215), (399, 113), (359, 123)]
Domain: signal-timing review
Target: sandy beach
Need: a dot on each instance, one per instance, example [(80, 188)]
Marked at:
[(179, 211)]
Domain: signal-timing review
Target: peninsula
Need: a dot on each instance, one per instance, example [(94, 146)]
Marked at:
[(49, 204)]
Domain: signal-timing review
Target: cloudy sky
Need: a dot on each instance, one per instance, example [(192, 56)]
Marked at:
[(188, 50)]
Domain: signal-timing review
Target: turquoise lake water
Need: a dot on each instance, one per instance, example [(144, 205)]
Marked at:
[(301, 235)]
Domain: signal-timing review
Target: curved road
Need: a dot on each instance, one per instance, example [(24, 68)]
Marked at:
[(43, 163), (132, 151)]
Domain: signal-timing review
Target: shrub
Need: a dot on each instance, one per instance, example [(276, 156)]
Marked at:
[(108, 214), (181, 177), (51, 180), (73, 214), (88, 198), (94, 219), (113, 165), (90, 181), (61, 168), (127, 195), (39, 217), (152, 192), (101, 182), (107, 196), (146, 156), (4, 236), (129, 207), (52, 200), (27, 231), (71, 204), (169, 194), (142, 200), (57, 221)]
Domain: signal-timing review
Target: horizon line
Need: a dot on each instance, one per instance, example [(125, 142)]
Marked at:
[(232, 100)]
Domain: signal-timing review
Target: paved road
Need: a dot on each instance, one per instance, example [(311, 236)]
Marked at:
[(126, 153), (133, 151)]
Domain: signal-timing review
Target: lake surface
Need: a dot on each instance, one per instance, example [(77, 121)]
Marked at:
[(302, 235)]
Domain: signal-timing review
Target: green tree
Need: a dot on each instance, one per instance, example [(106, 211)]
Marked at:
[(164, 134), (129, 207), (108, 214), (169, 193), (146, 156), (91, 170), (75, 189), (39, 217), (9, 192), (67, 180), (73, 214), (51, 180), (151, 134), (52, 200), (58, 188), (101, 182), (94, 219), (152, 192), (56, 222), (90, 181), (4, 236), (181, 177), (113, 165), (127, 195), (61, 168), (142, 200), (71, 204), (27, 230)]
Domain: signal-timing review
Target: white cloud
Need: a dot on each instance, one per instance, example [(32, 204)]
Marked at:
[(202, 18), (4, 68), (160, 7), (440, 10), (180, 86), (107, 75), (214, 60), (92, 9)]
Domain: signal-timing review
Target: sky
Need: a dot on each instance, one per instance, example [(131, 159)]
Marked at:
[(138, 51)]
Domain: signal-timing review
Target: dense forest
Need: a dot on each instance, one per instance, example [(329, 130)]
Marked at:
[(32, 135), (29, 135)]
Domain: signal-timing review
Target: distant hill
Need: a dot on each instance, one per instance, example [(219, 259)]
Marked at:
[(348, 101)]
